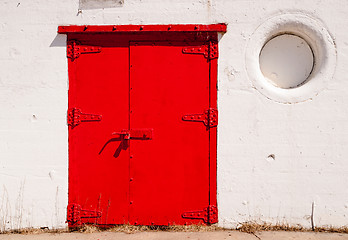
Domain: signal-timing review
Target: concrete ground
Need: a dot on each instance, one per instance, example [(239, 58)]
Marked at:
[(216, 235)]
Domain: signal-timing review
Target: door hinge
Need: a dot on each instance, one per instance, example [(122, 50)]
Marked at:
[(75, 214), (75, 117), (210, 50), (209, 117), (74, 49), (209, 214)]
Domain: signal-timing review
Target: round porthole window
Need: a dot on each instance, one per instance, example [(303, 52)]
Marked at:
[(290, 58), (286, 61)]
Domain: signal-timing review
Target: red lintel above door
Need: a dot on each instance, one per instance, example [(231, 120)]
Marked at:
[(221, 27)]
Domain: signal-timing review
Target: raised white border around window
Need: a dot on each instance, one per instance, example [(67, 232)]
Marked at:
[(320, 41)]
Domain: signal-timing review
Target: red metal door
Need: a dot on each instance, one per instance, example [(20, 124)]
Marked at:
[(98, 161), (170, 173), (142, 128)]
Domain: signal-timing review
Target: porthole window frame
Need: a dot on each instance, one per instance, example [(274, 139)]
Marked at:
[(315, 34)]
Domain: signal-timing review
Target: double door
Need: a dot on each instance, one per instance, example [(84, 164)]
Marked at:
[(142, 130)]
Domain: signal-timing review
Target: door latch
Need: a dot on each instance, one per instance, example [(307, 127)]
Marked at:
[(136, 134)]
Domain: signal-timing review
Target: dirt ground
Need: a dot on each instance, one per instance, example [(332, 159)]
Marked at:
[(216, 235)]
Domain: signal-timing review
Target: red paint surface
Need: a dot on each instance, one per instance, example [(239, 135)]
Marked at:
[(221, 27), (99, 163), (142, 84)]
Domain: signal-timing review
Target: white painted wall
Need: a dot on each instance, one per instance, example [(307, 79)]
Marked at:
[(308, 139)]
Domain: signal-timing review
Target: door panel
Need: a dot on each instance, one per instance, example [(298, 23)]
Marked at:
[(171, 172), (99, 163), (139, 86)]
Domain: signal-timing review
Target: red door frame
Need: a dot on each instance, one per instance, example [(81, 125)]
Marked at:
[(210, 30)]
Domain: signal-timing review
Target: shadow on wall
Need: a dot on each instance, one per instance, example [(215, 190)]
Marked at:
[(59, 41)]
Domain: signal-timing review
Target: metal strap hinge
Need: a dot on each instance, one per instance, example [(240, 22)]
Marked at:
[(75, 214), (210, 51), (209, 214), (75, 117), (209, 117), (74, 49)]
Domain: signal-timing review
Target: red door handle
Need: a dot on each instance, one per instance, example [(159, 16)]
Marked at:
[(137, 134), (123, 134)]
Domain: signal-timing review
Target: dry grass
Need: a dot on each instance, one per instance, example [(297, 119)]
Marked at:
[(331, 229), (172, 228), (124, 228), (252, 227), (35, 231), (89, 229)]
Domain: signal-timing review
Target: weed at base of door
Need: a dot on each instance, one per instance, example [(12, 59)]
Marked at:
[(130, 229)]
